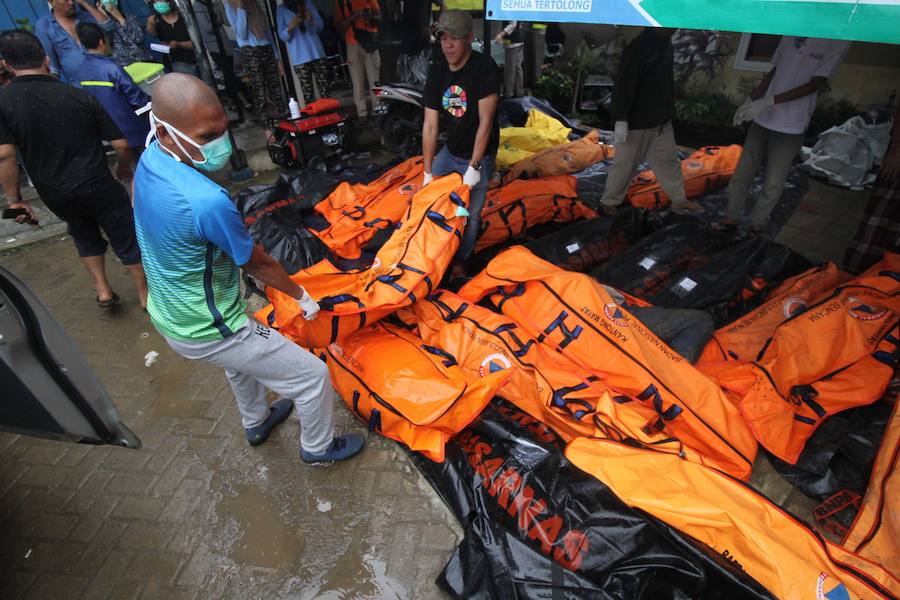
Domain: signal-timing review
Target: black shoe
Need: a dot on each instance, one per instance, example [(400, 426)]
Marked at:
[(342, 447), (278, 412)]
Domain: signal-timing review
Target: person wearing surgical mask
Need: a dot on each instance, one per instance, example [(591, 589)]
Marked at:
[(127, 37), (194, 244), (168, 27)]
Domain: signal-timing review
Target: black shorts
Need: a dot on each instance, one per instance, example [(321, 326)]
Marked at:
[(109, 210)]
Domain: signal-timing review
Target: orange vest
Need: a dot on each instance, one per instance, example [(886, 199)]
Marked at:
[(558, 160), (510, 210), (708, 169), (875, 533), (405, 389), (839, 353), (575, 316), (744, 338), (406, 268), (357, 211), (746, 529)]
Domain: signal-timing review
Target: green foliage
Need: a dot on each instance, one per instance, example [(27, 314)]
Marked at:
[(746, 85), (698, 52), (24, 23), (556, 87), (590, 119), (709, 107)]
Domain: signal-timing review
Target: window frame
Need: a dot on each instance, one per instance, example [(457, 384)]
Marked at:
[(741, 62)]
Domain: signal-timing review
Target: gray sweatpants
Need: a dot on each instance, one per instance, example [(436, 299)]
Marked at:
[(257, 357), (778, 151), (658, 145)]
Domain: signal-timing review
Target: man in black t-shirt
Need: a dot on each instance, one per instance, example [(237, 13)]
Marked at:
[(464, 90), (58, 129)]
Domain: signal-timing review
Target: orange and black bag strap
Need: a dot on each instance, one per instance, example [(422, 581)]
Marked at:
[(449, 359), (328, 303), (358, 212)]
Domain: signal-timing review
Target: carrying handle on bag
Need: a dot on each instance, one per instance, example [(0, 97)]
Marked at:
[(252, 287)]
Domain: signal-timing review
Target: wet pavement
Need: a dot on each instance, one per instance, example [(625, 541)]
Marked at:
[(197, 513)]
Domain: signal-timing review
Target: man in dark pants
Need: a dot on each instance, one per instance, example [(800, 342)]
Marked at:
[(58, 129), (643, 107)]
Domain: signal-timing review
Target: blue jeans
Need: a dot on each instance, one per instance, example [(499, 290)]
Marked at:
[(444, 164)]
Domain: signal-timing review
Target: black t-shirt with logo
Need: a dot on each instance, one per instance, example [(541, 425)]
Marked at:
[(455, 95), (58, 129)]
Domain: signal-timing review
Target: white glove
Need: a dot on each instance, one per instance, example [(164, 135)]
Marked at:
[(426, 179), (309, 306), (472, 177), (737, 114), (753, 109), (620, 134)]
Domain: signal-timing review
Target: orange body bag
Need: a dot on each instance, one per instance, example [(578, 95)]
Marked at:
[(558, 160), (405, 389), (839, 353), (875, 533), (746, 337), (406, 268), (708, 169), (509, 210), (575, 316), (542, 382), (774, 548), (356, 212)]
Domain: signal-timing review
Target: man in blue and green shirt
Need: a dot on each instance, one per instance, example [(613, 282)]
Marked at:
[(194, 242)]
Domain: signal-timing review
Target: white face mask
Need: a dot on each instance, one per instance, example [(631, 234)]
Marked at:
[(215, 153)]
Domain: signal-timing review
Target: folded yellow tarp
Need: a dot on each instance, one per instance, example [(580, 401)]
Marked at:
[(539, 133)]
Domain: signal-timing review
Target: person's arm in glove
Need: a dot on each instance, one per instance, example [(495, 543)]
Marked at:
[(620, 134), (429, 141), (625, 92), (270, 272), (487, 109), (752, 109)]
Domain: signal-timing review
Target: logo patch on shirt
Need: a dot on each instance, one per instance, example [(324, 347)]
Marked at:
[(455, 101)]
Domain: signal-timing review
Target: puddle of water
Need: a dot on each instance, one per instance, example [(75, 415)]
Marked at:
[(264, 539), (358, 574), (168, 388)]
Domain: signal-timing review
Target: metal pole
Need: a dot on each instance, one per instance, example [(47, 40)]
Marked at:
[(487, 31), (239, 168), (190, 21), (271, 8), (215, 23)]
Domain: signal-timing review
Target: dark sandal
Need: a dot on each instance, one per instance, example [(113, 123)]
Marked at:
[(724, 226), (609, 210), (114, 301)]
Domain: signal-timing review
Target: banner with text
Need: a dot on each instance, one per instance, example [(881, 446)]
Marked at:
[(865, 20)]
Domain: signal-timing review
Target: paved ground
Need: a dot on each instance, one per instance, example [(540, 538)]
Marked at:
[(197, 513)]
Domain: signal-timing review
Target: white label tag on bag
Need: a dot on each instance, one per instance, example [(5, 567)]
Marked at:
[(648, 262), (687, 284), (573, 248)]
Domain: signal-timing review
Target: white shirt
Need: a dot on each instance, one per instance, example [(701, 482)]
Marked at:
[(796, 61)]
